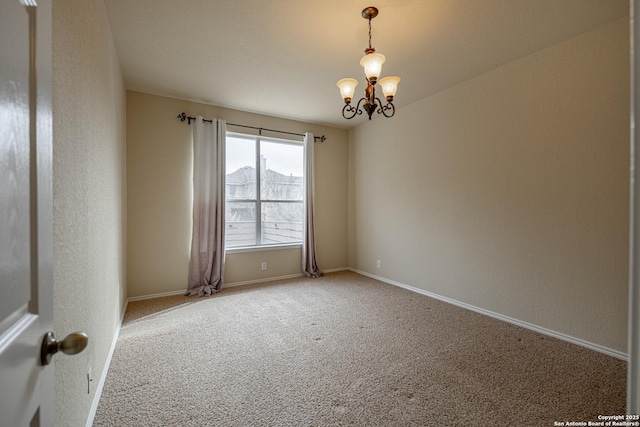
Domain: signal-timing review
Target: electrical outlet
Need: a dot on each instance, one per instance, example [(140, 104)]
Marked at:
[(89, 380), (264, 266), (378, 263)]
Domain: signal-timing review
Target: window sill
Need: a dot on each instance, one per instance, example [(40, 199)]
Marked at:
[(241, 249)]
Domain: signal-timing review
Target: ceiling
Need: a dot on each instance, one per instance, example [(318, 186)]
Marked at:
[(283, 57)]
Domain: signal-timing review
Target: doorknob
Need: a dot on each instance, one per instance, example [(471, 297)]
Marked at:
[(72, 344)]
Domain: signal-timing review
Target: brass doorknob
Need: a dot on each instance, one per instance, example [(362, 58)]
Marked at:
[(72, 344)]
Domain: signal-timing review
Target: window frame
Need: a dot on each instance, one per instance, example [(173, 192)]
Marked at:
[(258, 201)]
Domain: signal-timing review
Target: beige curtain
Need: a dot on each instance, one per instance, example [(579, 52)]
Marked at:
[(206, 265), (309, 263)]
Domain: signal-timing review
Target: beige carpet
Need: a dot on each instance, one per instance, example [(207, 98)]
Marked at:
[(344, 350)]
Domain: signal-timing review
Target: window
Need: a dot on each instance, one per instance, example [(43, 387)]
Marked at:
[(264, 191)]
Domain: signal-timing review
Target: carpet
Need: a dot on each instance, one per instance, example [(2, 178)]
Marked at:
[(342, 350)]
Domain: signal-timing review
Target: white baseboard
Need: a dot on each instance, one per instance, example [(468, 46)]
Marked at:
[(226, 285), (526, 325), (158, 295), (267, 279), (273, 279), (334, 270), (105, 370), (234, 284)]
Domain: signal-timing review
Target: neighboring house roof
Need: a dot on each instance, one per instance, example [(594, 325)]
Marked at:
[(247, 174), (241, 176)]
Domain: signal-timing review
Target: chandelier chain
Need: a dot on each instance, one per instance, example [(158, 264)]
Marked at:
[(369, 33)]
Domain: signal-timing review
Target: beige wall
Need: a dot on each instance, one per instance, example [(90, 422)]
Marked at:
[(508, 192), (159, 196), (89, 211)]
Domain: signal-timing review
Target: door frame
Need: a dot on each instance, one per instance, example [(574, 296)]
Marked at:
[(633, 350), (42, 126)]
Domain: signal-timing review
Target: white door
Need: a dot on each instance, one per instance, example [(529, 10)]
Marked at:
[(26, 270)]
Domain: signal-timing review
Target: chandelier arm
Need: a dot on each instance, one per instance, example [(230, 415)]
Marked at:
[(384, 109), (348, 108), (377, 102)]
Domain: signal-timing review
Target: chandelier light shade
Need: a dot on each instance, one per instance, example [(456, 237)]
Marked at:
[(347, 88), (389, 86), (372, 64)]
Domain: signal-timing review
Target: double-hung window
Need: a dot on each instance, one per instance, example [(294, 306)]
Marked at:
[(264, 191)]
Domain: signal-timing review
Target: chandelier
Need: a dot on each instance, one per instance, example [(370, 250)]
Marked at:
[(372, 64)]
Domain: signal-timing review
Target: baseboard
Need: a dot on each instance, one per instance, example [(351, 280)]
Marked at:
[(234, 284), (267, 279), (226, 285), (105, 370), (596, 347), (158, 295), (335, 270)]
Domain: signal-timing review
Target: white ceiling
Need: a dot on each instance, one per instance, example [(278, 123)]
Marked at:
[(283, 57)]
